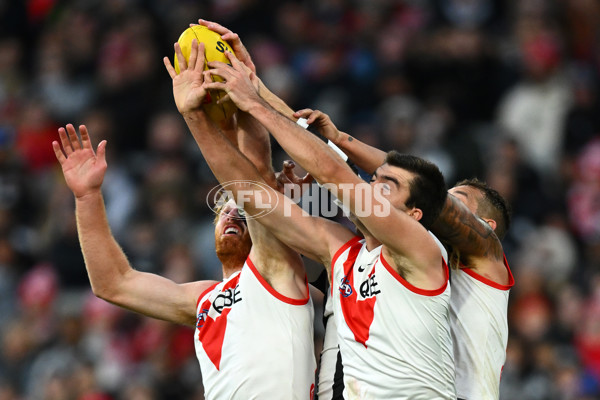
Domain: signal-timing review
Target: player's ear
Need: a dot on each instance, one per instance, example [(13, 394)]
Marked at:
[(491, 223), (416, 213)]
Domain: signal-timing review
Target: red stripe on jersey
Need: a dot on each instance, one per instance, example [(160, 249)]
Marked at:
[(489, 282), (212, 333), (358, 314), (211, 287), (411, 287), (339, 253)]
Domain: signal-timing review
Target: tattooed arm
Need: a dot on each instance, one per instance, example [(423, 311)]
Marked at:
[(366, 157), (473, 237)]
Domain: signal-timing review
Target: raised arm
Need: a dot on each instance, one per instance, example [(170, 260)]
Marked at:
[(466, 232), (254, 142), (243, 55), (272, 257), (367, 158), (111, 276), (472, 237), (312, 236), (408, 241)]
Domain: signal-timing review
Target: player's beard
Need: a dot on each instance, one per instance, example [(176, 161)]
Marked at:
[(232, 250)]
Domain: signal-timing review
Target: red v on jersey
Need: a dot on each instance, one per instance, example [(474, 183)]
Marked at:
[(358, 313), (211, 336), (212, 332)]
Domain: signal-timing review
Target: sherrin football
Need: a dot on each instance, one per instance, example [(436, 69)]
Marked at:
[(214, 48)]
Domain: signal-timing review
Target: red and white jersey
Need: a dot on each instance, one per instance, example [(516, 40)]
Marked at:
[(254, 343), (479, 325), (394, 338)]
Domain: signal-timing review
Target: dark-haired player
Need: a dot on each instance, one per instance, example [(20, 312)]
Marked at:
[(472, 223), (390, 289)]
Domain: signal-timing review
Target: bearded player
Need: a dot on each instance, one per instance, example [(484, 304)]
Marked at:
[(391, 289), (261, 313)]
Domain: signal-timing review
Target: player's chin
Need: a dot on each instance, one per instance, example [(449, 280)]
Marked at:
[(233, 245), (230, 241)]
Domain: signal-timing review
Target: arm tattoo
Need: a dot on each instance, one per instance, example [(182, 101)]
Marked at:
[(350, 138), (466, 232)]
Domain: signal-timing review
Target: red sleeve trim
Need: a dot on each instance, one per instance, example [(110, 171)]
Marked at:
[(337, 255), (489, 282), (210, 288), (412, 288), (279, 296)]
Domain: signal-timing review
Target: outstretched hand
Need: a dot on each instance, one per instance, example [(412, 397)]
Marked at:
[(188, 90), (83, 169), (321, 122), (289, 183), (239, 83), (234, 40)]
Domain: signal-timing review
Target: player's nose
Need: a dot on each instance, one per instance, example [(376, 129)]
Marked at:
[(233, 214)]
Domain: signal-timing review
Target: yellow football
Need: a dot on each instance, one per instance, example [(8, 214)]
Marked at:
[(214, 48)]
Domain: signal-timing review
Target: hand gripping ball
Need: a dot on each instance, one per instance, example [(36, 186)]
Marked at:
[(214, 48)]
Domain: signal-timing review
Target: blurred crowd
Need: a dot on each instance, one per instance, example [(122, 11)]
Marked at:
[(507, 91)]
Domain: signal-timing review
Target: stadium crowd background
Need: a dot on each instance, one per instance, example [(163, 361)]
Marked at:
[(503, 90)]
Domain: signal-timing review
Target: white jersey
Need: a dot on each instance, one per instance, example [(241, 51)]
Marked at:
[(479, 325), (394, 338), (330, 384), (254, 343)]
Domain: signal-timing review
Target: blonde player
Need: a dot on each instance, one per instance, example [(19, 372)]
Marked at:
[(260, 313)]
